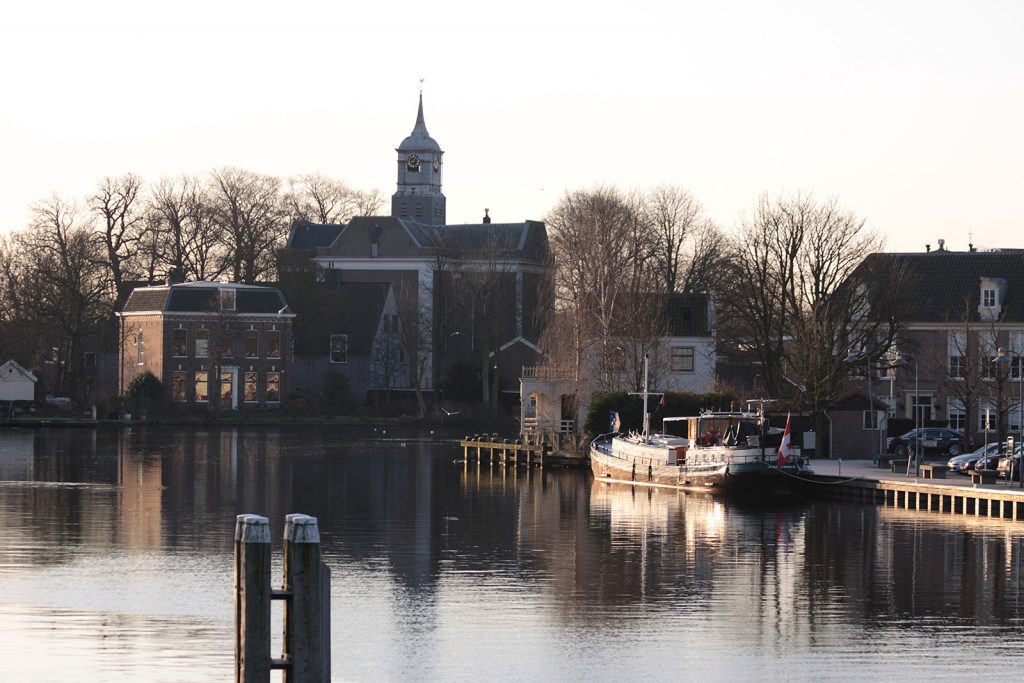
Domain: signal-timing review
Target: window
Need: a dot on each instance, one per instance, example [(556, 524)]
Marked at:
[(870, 419), (140, 349), (252, 343), (178, 385), (225, 389), (339, 348), (202, 342), (227, 343), (957, 367), (682, 359), (89, 359), (957, 415), (273, 344), (227, 299), (249, 388), (179, 343), (988, 298), (988, 367), (201, 385), (273, 387)]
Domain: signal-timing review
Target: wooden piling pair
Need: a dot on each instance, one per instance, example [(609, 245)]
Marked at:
[(306, 592)]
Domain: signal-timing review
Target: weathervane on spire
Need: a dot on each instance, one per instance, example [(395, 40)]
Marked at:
[(421, 84)]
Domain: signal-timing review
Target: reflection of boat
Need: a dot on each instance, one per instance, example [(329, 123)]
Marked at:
[(728, 452)]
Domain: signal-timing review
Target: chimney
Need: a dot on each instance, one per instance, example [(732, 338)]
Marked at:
[(927, 248), (942, 245), (487, 218)]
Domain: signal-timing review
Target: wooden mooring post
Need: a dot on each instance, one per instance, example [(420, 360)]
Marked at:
[(307, 582)]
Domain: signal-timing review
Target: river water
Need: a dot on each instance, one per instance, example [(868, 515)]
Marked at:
[(116, 565)]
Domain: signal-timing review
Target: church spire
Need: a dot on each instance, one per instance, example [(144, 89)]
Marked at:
[(418, 196), (420, 128)]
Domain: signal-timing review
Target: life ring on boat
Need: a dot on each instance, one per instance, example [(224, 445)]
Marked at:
[(710, 437)]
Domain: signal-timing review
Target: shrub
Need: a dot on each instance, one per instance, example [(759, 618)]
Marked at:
[(145, 386)]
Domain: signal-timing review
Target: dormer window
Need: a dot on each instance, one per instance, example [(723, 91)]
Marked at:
[(992, 296), (227, 299)]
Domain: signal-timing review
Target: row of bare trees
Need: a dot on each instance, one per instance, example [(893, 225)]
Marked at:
[(612, 252), (63, 274), (791, 288)]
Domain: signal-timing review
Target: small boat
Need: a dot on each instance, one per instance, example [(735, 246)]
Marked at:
[(717, 451)]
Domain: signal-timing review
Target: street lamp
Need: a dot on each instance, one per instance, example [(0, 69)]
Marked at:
[(1002, 358), (853, 357)]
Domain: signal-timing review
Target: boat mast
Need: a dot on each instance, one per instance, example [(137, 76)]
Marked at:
[(647, 416), (645, 394)]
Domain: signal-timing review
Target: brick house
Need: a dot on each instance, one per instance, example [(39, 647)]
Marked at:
[(964, 343), (214, 345)]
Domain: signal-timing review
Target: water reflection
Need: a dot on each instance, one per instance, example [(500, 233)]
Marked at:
[(121, 540)]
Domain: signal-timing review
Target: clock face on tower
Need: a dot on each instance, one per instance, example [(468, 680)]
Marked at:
[(437, 163), (412, 162)]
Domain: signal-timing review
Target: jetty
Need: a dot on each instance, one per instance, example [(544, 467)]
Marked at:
[(514, 452), (980, 495)]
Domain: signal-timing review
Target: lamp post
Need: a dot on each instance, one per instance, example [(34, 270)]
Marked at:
[(902, 361), (1002, 359), (853, 357)]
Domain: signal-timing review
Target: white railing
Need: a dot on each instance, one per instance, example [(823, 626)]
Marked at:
[(549, 372)]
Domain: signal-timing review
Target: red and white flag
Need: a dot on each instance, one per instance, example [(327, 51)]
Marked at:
[(784, 447)]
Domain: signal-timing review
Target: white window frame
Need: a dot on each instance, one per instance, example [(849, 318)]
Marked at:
[(682, 357), (342, 340), (988, 297)]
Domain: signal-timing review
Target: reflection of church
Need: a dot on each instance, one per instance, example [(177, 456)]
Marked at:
[(474, 290)]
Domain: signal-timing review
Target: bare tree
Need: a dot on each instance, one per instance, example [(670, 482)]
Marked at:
[(187, 243), (599, 260), (316, 198), (673, 216), (801, 294), (247, 209), (122, 226), (64, 283), (705, 255)]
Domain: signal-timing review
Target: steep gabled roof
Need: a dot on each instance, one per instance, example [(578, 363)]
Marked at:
[(944, 286), (353, 308), (312, 236)]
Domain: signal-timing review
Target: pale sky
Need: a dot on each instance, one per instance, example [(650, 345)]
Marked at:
[(909, 112)]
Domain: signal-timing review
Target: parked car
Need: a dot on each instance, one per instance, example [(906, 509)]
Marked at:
[(985, 458), (931, 439), (959, 463)]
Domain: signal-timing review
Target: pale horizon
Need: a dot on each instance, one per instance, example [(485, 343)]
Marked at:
[(910, 118)]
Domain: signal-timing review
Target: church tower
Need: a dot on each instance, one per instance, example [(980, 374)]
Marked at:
[(418, 197)]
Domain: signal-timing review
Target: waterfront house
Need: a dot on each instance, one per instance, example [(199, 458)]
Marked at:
[(213, 345), (960, 353)]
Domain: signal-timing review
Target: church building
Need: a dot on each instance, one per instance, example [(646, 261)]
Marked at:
[(461, 306)]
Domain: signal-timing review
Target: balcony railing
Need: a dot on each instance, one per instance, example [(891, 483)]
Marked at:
[(549, 372)]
